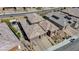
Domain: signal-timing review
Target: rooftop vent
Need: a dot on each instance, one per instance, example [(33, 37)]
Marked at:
[(67, 17), (55, 17), (69, 22)]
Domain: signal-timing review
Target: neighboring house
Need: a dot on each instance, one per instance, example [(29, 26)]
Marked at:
[(34, 18), (8, 41), (72, 11), (60, 19), (47, 25)]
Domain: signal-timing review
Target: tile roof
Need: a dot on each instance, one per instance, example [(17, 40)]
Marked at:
[(7, 39)]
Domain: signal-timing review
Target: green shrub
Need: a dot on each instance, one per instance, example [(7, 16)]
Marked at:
[(5, 20), (18, 34)]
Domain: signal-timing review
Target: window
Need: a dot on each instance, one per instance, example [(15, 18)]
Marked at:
[(55, 17)]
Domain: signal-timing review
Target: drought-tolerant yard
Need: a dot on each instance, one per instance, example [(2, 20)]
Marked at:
[(14, 30)]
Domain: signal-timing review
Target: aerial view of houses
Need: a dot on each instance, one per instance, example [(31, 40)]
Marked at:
[(39, 29)]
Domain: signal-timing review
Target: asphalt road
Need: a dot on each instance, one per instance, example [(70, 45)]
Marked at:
[(4, 15), (73, 46), (13, 14)]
